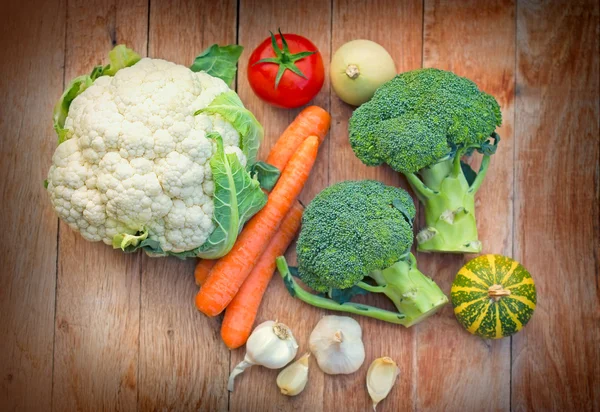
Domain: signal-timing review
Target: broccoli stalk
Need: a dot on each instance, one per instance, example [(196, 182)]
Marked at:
[(415, 296), (449, 202)]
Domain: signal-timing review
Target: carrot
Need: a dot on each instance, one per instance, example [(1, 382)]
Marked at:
[(203, 269), (231, 270), (311, 121), (241, 312)]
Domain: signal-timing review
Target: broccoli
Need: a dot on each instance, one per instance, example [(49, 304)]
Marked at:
[(421, 123), (355, 239)]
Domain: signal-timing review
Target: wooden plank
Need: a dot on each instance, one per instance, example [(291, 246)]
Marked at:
[(98, 290), (397, 26), (183, 364), (555, 358), (256, 388), (31, 75), (458, 371)]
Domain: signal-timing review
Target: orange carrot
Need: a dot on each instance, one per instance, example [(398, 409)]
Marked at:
[(203, 269), (311, 121), (231, 270), (241, 312)]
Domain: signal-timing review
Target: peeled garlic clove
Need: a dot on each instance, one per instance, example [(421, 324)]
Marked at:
[(380, 378), (292, 380)]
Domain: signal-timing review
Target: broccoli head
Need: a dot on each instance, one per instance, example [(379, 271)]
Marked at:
[(356, 238), (351, 229), (421, 123)]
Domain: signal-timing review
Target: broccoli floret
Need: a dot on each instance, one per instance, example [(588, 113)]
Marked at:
[(356, 230), (353, 228), (423, 122)]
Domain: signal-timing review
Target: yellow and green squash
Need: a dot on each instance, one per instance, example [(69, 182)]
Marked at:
[(493, 296)]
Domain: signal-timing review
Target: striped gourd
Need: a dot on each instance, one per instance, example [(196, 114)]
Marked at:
[(493, 296)]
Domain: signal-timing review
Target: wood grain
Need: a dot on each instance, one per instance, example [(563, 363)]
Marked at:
[(98, 289), (404, 43), (123, 334), (183, 363), (556, 358), (457, 371), (28, 225), (256, 388)]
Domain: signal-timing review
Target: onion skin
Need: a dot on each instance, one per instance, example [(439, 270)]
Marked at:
[(358, 68)]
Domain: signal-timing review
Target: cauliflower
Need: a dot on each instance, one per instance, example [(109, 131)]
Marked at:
[(147, 156)]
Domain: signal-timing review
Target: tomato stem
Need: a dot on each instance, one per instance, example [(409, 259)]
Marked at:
[(284, 58)]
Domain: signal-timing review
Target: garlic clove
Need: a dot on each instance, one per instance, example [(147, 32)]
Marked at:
[(337, 345), (380, 378), (292, 380)]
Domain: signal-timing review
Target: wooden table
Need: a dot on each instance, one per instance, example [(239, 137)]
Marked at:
[(87, 328)]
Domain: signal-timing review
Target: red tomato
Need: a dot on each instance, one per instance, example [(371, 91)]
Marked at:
[(286, 74)]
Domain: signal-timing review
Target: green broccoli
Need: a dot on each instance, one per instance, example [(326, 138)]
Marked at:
[(421, 123), (356, 238)]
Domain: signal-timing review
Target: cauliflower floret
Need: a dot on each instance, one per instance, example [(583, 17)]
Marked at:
[(138, 158), (180, 177), (197, 147)]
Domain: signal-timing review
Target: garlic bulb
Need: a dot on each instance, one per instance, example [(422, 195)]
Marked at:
[(271, 345), (380, 378), (336, 343), (293, 378)]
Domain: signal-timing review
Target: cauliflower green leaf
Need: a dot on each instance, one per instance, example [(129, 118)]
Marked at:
[(267, 174), (237, 198), (130, 243), (124, 240), (219, 61), (250, 196), (229, 106), (61, 109), (120, 57)]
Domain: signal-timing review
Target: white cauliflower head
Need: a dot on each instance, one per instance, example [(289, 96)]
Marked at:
[(136, 159)]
